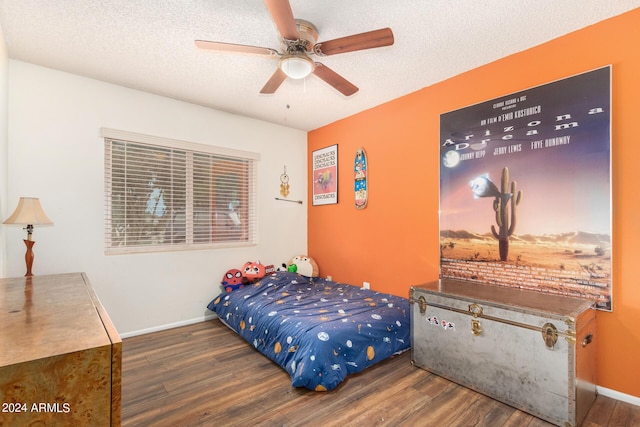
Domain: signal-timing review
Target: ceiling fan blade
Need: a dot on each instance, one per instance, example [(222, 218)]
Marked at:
[(282, 16), (368, 40), (236, 48), (274, 82), (334, 79)]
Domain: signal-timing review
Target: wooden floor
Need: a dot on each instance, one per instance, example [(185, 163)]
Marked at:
[(205, 375)]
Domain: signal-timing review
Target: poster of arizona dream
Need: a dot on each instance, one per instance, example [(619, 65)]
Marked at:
[(525, 189)]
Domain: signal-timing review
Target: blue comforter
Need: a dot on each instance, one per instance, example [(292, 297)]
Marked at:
[(319, 331)]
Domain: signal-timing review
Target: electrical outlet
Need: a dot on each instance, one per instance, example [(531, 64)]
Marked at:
[(365, 285), (329, 278)]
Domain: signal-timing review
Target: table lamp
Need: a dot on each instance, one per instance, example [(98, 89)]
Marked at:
[(29, 213)]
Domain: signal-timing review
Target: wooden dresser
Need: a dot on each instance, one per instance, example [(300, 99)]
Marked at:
[(60, 356)]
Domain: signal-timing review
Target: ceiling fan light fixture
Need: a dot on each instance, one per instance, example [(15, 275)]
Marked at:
[(297, 66)]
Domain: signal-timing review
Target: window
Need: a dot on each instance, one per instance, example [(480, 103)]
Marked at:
[(163, 194)]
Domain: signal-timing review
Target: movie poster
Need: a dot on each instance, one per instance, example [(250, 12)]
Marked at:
[(325, 175), (525, 189)]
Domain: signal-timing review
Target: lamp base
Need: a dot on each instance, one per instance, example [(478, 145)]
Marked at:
[(29, 256)]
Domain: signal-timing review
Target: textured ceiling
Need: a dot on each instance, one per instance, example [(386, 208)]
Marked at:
[(149, 45)]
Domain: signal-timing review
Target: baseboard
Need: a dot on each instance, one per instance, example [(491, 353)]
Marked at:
[(168, 326), (618, 396)]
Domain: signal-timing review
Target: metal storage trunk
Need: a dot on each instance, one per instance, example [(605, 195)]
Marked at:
[(530, 350)]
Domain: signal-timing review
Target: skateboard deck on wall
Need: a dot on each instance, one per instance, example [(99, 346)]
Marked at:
[(360, 175)]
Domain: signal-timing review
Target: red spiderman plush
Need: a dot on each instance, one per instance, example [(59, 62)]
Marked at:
[(232, 280)]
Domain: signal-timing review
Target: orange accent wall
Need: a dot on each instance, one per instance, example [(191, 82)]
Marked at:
[(393, 243)]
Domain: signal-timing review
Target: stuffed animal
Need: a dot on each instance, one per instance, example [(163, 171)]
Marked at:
[(253, 271), (232, 280), (304, 265), (269, 269)]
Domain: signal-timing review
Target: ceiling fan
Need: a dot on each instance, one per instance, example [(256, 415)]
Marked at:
[(299, 41)]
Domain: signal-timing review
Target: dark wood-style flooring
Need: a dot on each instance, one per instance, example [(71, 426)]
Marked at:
[(205, 375)]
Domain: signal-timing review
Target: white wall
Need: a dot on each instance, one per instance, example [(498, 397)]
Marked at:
[(55, 153), (4, 208)]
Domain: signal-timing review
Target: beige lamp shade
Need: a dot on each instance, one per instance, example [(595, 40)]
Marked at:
[(28, 212)]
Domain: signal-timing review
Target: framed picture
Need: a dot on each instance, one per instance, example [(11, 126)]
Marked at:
[(325, 175), (525, 189)]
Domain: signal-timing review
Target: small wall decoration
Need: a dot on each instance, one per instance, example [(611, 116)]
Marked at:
[(360, 178), (284, 188), (284, 183), (525, 189), (325, 175)]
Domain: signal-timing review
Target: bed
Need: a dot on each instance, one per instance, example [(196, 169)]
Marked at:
[(318, 330)]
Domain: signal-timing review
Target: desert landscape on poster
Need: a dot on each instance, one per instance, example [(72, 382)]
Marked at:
[(574, 264)]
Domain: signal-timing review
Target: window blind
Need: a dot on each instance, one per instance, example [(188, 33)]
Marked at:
[(168, 195)]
